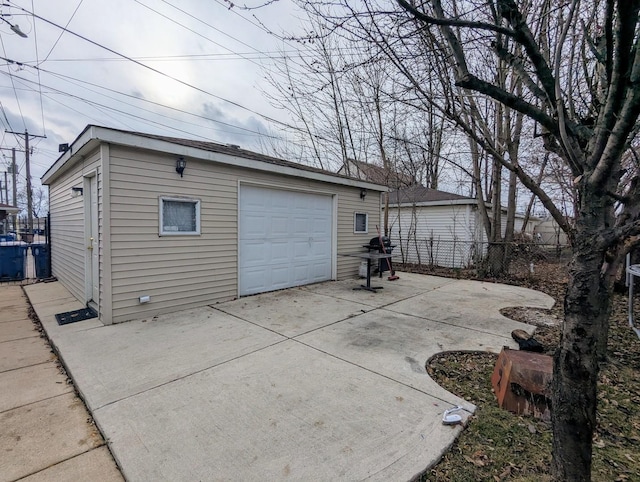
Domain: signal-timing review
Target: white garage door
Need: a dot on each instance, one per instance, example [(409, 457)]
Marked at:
[(284, 239)]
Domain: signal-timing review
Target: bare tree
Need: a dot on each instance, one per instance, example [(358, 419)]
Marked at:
[(581, 89)]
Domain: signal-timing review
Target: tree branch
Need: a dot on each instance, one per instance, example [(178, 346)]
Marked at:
[(625, 123), (472, 82), (612, 236), (523, 35), (627, 16), (423, 17), (518, 66), (526, 180)]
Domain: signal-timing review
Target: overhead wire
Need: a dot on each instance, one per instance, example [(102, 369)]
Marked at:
[(144, 120), (199, 34), (268, 55), (159, 72), (255, 24), (124, 57), (4, 50), (98, 104), (75, 81), (35, 41), (61, 33), (5, 118)]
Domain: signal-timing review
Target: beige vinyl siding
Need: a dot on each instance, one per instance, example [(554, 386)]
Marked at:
[(349, 203), (185, 271), (67, 226)]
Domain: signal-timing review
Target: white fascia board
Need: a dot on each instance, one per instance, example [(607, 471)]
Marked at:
[(132, 140), (83, 143), (450, 202)]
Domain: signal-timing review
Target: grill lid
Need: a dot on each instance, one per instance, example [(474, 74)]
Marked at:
[(375, 242)]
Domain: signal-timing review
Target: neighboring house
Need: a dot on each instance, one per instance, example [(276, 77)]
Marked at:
[(6, 210), (135, 232), (550, 232), (377, 174), (439, 228)]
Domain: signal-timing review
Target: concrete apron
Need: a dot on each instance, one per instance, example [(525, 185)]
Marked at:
[(319, 382)]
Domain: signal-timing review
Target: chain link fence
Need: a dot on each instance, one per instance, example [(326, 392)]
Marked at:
[(516, 260)]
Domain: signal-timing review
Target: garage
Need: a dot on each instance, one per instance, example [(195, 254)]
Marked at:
[(182, 223), (285, 238)]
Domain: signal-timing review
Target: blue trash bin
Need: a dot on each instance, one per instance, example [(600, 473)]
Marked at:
[(41, 260), (13, 259)]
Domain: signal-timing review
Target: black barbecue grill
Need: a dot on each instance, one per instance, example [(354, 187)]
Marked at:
[(376, 246)]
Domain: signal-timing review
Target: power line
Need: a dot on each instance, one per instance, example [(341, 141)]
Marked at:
[(61, 33), (231, 55), (4, 116), (159, 72), (35, 41), (69, 79), (199, 34), (145, 120), (98, 105), (14, 86)]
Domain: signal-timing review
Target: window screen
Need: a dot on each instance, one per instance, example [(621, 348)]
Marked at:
[(179, 216), (361, 223)]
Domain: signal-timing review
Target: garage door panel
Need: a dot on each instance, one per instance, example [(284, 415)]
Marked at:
[(279, 276), (300, 250), (319, 248), (301, 226), (255, 279), (279, 252), (253, 254), (279, 225), (285, 233), (253, 225)]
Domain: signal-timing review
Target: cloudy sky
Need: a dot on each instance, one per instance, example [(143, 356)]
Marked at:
[(188, 68)]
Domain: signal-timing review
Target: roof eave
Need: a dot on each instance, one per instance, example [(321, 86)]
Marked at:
[(444, 202), (10, 209), (93, 135)]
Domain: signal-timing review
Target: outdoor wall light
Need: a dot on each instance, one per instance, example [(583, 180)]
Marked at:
[(76, 191), (363, 194), (180, 165)]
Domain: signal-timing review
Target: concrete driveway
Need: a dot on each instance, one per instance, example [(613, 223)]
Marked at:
[(319, 382)]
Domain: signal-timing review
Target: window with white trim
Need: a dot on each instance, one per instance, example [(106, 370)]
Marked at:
[(361, 223), (179, 216)]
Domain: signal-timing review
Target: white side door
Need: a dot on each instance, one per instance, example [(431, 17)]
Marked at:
[(92, 266)]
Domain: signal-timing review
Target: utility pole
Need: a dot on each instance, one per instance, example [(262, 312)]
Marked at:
[(28, 173), (15, 188), (29, 193)]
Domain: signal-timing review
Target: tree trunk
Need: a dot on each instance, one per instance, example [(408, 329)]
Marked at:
[(575, 373), (497, 257)]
